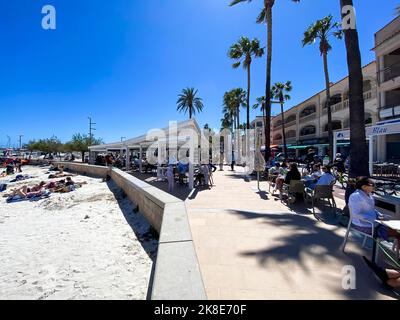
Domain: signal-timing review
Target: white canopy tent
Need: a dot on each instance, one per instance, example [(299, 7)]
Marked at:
[(176, 135), (382, 128)]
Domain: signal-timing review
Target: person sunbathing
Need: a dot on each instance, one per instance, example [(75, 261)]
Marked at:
[(60, 175), (26, 193)]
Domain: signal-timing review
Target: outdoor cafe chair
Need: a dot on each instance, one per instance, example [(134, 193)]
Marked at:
[(296, 186), (366, 235), (321, 192), (271, 181)]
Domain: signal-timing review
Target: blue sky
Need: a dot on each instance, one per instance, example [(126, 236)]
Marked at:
[(124, 62)]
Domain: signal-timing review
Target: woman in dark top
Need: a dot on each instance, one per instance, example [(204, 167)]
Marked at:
[(293, 174)]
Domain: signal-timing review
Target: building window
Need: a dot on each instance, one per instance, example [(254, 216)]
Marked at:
[(291, 118), (337, 98), (278, 137), (367, 86), (308, 130), (278, 123), (307, 111), (291, 134), (336, 125)]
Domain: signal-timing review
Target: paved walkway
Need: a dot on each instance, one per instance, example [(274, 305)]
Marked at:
[(251, 246)]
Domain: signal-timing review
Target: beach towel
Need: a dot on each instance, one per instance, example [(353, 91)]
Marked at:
[(20, 177), (18, 198)]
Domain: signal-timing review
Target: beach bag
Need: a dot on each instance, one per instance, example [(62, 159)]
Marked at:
[(3, 187)]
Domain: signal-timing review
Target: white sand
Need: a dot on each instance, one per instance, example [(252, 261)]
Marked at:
[(77, 245)]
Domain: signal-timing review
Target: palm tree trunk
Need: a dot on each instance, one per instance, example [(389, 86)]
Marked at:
[(268, 7), (283, 132), (328, 105), (358, 141), (248, 97), (190, 113), (238, 117)]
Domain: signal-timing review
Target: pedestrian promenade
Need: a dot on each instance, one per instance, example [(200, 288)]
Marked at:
[(251, 246)]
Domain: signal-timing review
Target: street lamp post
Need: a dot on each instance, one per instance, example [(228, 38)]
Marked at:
[(90, 130), (20, 141)]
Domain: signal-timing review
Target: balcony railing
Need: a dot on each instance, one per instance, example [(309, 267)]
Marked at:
[(368, 95), (308, 136), (389, 72), (308, 118), (290, 123)]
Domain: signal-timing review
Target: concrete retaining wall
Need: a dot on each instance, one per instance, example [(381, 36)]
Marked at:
[(177, 274)]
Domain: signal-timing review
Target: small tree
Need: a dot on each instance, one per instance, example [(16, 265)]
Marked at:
[(81, 143)]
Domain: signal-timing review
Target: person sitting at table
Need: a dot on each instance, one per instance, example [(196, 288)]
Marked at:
[(362, 206), (316, 172), (389, 277), (307, 178), (280, 179), (326, 178), (293, 174), (276, 170)]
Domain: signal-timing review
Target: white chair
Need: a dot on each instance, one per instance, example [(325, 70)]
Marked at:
[(351, 227)]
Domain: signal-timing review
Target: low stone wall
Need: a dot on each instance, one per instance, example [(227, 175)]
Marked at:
[(86, 170), (177, 274)]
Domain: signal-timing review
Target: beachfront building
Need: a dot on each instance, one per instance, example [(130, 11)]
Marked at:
[(387, 50), (306, 124), (183, 135)]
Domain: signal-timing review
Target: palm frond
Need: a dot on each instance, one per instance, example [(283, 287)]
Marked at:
[(234, 2)]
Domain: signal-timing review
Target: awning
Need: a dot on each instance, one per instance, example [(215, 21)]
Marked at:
[(317, 145), (299, 147)]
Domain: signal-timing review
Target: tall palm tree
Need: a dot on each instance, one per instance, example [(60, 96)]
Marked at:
[(243, 52), (226, 121), (280, 91), (232, 102), (260, 104), (322, 30), (358, 144), (266, 17), (188, 101)]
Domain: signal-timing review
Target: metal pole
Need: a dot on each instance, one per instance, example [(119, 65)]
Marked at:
[(90, 130), (371, 155), (258, 180), (20, 141)]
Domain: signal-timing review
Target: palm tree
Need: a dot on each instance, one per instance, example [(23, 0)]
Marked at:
[(266, 17), (243, 52), (322, 30), (226, 121), (280, 91), (358, 144), (187, 101), (260, 104), (232, 102)]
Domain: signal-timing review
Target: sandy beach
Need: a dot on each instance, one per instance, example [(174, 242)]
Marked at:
[(86, 244)]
